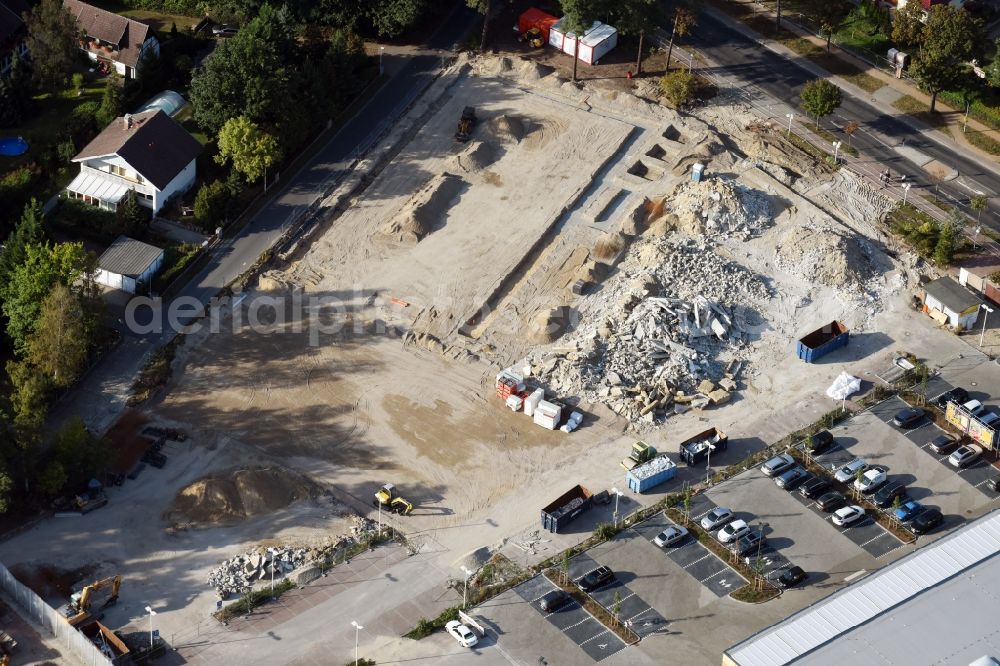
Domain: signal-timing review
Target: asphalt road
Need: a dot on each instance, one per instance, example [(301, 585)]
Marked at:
[(766, 73), (97, 396)]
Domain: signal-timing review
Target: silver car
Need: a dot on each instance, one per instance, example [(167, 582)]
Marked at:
[(671, 536), (777, 464), (716, 518), (849, 471)]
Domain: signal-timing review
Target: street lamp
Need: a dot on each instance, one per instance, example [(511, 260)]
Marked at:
[(381, 52), (789, 116), (708, 464), (357, 630), (906, 190), (836, 150), (465, 589), (618, 494), (982, 336), (273, 554), (151, 614)]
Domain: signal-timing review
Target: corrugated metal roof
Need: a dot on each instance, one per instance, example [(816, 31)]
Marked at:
[(872, 596), (129, 257)]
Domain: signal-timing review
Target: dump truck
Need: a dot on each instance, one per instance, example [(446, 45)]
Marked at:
[(465, 124), (389, 500), (641, 452), (811, 347), (564, 510), (650, 474), (695, 449), (108, 643)]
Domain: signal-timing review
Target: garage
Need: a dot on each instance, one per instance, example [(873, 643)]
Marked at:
[(129, 265)]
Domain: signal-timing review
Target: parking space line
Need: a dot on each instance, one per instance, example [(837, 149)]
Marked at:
[(586, 619), (703, 557), (592, 638), (643, 612), (714, 575), (878, 536)]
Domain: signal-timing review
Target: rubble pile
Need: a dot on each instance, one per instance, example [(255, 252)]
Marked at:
[(716, 207), (824, 254), (239, 573), (678, 319)]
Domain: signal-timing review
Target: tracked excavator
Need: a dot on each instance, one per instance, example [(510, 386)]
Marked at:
[(77, 611)]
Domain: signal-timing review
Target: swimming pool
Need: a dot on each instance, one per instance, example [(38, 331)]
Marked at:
[(12, 146)]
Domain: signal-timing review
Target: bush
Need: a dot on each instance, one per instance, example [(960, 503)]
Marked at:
[(211, 204), (605, 531), (84, 117), (85, 219), (678, 88)]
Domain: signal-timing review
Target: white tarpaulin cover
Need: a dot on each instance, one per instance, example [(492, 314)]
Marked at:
[(843, 386)]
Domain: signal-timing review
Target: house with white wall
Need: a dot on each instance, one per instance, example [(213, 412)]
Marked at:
[(951, 304), (147, 152), (112, 41)]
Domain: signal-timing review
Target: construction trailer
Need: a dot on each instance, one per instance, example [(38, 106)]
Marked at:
[(598, 40)]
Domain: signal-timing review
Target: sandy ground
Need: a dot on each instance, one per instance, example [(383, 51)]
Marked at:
[(363, 405)]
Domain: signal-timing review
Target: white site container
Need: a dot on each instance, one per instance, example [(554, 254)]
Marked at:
[(566, 41), (597, 42), (531, 402), (515, 402), (547, 415)]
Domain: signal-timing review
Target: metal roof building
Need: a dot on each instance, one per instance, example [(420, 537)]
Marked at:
[(128, 264), (937, 605)]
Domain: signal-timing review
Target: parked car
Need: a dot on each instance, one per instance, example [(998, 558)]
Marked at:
[(751, 542), (908, 510), (814, 488), (225, 30), (965, 455), (596, 578), (733, 531), (831, 502), (908, 417), (461, 633), (887, 494), (793, 477), (989, 418), (821, 441), (848, 515), (777, 464), (716, 518), (871, 480), (791, 577), (974, 407), (992, 484), (926, 521), (957, 394), (671, 536), (943, 444), (847, 473), (553, 601)]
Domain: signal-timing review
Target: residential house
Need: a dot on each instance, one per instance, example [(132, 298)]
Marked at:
[(147, 152), (13, 34), (128, 264), (112, 41), (948, 302)]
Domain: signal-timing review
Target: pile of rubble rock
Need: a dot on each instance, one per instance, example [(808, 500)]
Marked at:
[(720, 207), (236, 575)]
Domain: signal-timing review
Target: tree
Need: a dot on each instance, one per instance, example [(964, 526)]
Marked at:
[(944, 251), (16, 94), (53, 478), (82, 454), (829, 15), (28, 401), (59, 346), (52, 42), (132, 216), (578, 16), (850, 128), (391, 17), (29, 231), (820, 98), (979, 203), (111, 102), (484, 7), (908, 25), (211, 204), (637, 17), (950, 39), (684, 21), (993, 69), (250, 149), (678, 87), (616, 606)]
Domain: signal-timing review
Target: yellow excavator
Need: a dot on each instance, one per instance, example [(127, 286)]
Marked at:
[(387, 498), (77, 611)]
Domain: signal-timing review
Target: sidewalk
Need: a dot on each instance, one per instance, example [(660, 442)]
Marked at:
[(950, 133)]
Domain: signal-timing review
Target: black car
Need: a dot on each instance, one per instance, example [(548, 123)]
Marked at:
[(957, 394), (926, 521), (596, 579), (751, 543), (553, 601), (831, 502), (943, 444), (791, 577), (887, 494), (821, 441), (908, 417), (814, 488)]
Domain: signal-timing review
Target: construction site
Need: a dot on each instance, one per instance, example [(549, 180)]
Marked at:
[(647, 270)]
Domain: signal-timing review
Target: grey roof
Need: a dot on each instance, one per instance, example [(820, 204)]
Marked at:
[(953, 295), (936, 605), (129, 257)]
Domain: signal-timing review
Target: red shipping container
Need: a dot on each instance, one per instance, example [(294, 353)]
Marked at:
[(536, 18)]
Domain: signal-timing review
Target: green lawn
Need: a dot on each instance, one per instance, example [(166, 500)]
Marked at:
[(859, 33), (160, 21), (48, 124)]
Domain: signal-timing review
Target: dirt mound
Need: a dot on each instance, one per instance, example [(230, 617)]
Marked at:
[(476, 157), (549, 325), (237, 495), (826, 255), (507, 128), (426, 211)]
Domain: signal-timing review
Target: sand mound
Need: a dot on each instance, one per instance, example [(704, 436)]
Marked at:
[(238, 495), (476, 157), (826, 255), (426, 211), (549, 324), (507, 128)]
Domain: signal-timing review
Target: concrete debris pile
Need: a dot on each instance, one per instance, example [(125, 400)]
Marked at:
[(827, 255), (716, 207), (236, 575), (679, 316)]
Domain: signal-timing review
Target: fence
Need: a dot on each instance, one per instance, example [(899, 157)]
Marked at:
[(30, 606)]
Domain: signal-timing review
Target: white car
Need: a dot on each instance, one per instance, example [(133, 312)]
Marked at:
[(965, 455), (733, 531), (671, 536), (848, 515), (847, 473), (716, 518), (461, 633), (871, 480)]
